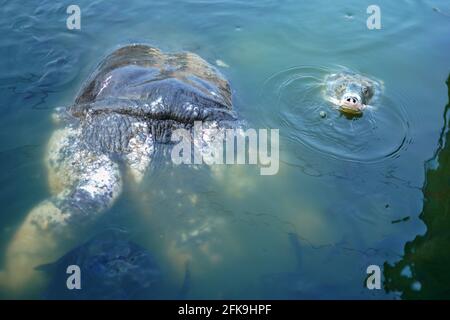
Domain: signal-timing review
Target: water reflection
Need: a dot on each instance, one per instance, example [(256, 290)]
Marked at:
[(423, 271)]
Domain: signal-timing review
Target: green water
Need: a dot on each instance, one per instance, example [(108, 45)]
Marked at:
[(425, 259), (350, 190)]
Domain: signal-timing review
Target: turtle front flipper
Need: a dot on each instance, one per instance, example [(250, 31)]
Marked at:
[(83, 185)]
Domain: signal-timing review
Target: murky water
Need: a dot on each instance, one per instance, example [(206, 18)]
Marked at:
[(311, 230)]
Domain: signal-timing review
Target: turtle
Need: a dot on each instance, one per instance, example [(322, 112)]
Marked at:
[(131, 103), (126, 110), (351, 92)]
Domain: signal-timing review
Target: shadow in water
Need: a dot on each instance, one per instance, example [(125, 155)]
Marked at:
[(423, 272)]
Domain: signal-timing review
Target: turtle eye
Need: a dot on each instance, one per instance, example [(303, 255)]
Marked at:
[(365, 90)]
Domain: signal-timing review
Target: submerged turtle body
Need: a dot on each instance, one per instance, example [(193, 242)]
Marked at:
[(128, 107), (351, 92), (130, 104)]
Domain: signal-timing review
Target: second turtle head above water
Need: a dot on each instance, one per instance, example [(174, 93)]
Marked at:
[(350, 92)]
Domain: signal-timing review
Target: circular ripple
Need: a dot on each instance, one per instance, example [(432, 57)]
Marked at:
[(292, 100)]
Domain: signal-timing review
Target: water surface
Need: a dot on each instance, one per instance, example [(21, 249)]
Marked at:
[(333, 209)]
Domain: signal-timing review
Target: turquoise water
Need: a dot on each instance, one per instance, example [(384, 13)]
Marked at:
[(341, 184)]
